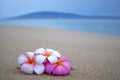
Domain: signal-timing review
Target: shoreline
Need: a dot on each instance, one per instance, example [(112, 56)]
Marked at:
[(82, 32), (107, 27), (94, 56)]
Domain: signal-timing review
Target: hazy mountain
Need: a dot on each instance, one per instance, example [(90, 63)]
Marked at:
[(60, 15)]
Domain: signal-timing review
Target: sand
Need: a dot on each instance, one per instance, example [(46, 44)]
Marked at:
[(93, 56)]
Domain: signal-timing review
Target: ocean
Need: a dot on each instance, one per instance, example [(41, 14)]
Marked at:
[(97, 26)]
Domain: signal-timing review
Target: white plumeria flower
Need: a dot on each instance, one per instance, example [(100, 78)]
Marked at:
[(46, 54), (29, 65)]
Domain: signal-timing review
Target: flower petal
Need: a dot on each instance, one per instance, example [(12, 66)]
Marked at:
[(49, 67), (52, 59), (56, 53), (39, 69), (60, 70), (67, 65), (64, 58), (49, 50), (22, 59), (40, 51), (40, 59), (30, 54), (27, 68)]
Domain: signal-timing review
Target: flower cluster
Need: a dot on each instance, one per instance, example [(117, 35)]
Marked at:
[(44, 60)]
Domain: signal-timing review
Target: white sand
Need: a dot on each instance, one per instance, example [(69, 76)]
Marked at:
[(95, 57)]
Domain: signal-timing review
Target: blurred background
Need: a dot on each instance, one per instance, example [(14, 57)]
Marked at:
[(92, 16)]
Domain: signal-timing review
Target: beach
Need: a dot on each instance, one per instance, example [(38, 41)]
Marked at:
[(92, 56)]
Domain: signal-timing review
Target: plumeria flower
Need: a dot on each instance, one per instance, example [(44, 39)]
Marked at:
[(45, 54), (29, 65), (61, 67)]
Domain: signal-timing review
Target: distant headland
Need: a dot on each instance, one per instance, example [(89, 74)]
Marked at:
[(60, 15)]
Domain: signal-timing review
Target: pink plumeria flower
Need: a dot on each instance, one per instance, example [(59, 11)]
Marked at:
[(29, 65), (60, 68), (46, 55)]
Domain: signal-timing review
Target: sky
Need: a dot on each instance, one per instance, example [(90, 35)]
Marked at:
[(12, 8)]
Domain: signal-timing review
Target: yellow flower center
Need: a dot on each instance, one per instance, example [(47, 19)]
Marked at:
[(47, 54), (31, 60), (59, 62)]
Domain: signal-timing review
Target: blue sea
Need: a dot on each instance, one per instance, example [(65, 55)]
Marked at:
[(97, 26)]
